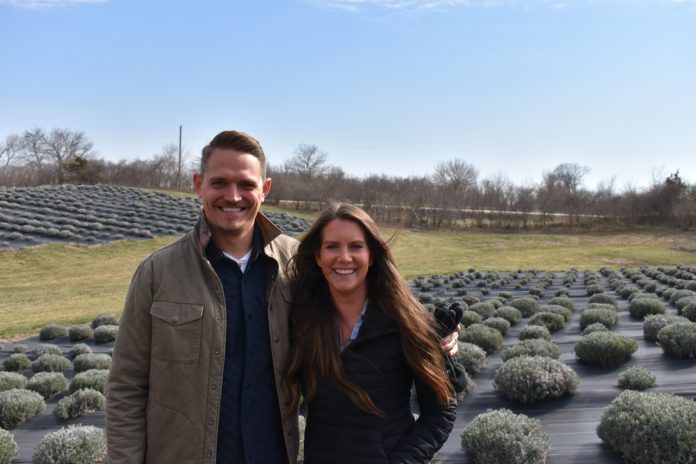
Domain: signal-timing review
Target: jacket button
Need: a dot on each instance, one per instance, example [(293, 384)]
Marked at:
[(175, 320), (217, 352), (276, 339), (210, 422), (210, 454), (214, 387)]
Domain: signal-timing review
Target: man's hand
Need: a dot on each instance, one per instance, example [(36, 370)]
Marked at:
[(450, 343), (448, 316)]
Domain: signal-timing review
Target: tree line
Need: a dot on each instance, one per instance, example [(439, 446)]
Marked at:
[(38, 157), (453, 196)]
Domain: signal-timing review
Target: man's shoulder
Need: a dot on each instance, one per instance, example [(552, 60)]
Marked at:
[(174, 252), (282, 247)]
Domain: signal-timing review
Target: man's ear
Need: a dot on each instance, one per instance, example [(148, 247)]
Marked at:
[(197, 182), (266, 188)]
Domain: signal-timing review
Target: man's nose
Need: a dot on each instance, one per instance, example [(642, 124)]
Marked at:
[(233, 193)]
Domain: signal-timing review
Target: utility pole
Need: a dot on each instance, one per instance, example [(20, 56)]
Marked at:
[(178, 171)]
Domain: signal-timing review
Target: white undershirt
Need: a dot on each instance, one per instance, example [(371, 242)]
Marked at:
[(242, 262)]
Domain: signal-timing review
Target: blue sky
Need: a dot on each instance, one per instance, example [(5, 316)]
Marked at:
[(383, 86)]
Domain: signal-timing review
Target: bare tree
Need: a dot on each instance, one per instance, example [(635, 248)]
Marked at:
[(569, 176), (67, 148), (453, 180), (307, 161), (10, 151), (457, 176)]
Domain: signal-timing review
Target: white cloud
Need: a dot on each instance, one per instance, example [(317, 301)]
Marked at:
[(46, 4)]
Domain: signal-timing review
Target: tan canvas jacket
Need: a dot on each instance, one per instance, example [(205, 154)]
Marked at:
[(164, 385)]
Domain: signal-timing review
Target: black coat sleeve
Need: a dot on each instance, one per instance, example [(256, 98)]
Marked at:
[(429, 432)]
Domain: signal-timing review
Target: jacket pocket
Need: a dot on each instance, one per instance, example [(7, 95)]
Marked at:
[(176, 331)]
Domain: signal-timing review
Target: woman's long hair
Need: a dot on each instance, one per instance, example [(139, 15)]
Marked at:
[(314, 350)]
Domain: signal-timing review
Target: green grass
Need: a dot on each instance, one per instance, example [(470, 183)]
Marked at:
[(71, 284), (419, 253)]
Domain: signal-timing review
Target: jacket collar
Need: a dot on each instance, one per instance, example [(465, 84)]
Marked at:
[(375, 325), (268, 230)]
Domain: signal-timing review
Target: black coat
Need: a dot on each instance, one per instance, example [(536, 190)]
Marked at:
[(340, 432)]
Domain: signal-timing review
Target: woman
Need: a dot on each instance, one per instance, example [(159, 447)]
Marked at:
[(360, 340)]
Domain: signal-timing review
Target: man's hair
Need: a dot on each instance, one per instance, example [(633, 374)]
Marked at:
[(235, 140)]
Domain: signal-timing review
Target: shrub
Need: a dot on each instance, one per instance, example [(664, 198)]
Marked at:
[(42, 349), (526, 305), (528, 379), (78, 349), (483, 336), (594, 289), (650, 427), (557, 309), (679, 339), (532, 347), (510, 314), (603, 298), (484, 309), (84, 362), (601, 306), (641, 307), (81, 402), (75, 444), (689, 312), (636, 295), (95, 379), (636, 378), (470, 317), (50, 363), (105, 333), (655, 322), (17, 362), (684, 302), (606, 317), (80, 332), (563, 301), (679, 294), (472, 357), (595, 327), (48, 384), (553, 322), (535, 331), (605, 348), (10, 380), (52, 331), (16, 406), (498, 323), (502, 436), (20, 348), (104, 319), (8, 447)]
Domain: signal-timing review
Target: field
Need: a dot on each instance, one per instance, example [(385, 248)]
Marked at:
[(570, 421), (66, 283)]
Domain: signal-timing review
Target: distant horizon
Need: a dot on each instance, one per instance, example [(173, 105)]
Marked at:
[(513, 87)]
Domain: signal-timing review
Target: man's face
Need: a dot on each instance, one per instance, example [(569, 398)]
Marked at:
[(232, 190)]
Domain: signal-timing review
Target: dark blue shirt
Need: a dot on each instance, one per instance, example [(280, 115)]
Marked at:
[(249, 429)]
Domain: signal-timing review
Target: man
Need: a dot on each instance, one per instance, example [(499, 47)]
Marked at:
[(197, 372), (204, 332)]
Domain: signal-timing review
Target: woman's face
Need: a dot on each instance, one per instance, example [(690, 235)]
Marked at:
[(344, 258)]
